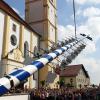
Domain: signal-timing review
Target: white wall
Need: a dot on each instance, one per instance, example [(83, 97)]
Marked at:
[(15, 97), (35, 40), (52, 19), (81, 78), (35, 43), (27, 36), (11, 32), (1, 31), (51, 14), (2, 15), (52, 33)]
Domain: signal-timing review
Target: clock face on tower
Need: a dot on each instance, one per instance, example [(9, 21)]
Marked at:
[(13, 40)]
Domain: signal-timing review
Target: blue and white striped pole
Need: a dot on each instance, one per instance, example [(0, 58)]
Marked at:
[(23, 73)]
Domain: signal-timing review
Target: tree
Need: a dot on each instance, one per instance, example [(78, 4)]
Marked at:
[(61, 82)]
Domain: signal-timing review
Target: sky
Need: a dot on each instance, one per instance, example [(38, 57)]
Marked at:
[(88, 22)]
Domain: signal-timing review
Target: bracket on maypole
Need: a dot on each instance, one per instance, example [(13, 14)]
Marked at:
[(16, 77)]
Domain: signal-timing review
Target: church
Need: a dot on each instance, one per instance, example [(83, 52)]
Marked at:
[(21, 40)]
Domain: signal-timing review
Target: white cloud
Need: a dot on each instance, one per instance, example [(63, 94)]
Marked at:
[(92, 11), (64, 32), (81, 2), (88, 12), (90, 48), (90, 26), (79, 12), (92, 66), (68, 31), (92, 1), (93, 25)]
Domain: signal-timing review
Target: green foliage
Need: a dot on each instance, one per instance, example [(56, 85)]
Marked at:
[(61, 82)]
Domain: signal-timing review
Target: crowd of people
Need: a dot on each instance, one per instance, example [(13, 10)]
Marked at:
[(64, 94), (60, 94)]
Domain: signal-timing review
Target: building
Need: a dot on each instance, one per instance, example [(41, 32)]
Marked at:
[(20, 40), (76, 76), (17, 40), (41, 16)]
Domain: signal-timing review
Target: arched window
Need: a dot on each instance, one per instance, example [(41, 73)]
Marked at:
[(26, 48), (35, 51), (13, 40)]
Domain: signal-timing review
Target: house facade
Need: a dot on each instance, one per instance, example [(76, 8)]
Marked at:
[(75, 76)]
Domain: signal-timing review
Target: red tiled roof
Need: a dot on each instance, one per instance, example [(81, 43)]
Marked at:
[(73, 70)]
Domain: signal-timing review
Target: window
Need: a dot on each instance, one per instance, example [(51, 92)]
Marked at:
[(33, 77), (13, 40), (26, 48), (14, 27), (36, 52)]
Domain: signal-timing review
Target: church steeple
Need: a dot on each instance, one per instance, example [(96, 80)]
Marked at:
[(41, 16)]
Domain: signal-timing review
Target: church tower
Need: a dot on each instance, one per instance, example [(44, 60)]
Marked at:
[(41, 16)]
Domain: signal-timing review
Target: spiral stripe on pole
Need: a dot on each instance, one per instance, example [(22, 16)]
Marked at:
[(21, 74)]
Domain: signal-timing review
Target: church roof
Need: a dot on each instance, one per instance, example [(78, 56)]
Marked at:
[(73, 70), (7, 9)]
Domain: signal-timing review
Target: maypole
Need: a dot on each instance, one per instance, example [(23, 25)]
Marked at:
[(16, 77)]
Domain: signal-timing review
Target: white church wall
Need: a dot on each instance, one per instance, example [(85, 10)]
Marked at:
[(2, 16), (35, 40), (12, 66), (27, 35), (9, 65), (51, 14), (13, 23), (51, 33)]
